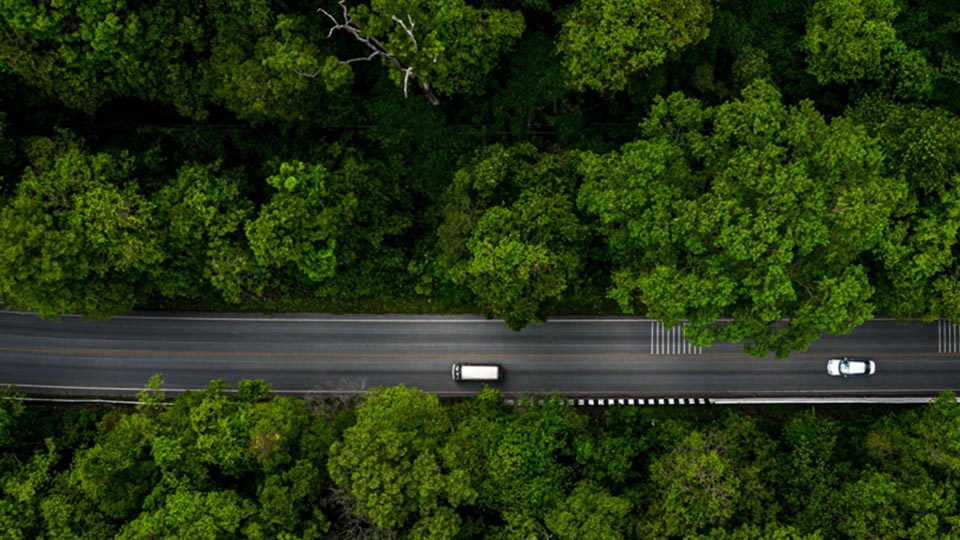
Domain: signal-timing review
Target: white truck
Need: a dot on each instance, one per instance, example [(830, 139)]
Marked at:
[(477, 372)]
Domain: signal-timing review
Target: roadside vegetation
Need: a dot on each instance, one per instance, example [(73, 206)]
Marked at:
[(735, 165), (400, 463)]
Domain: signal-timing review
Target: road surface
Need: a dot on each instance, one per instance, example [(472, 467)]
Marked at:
[(573, 356)]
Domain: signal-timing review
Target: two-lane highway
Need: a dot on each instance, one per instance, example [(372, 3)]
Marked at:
[(592, 356)]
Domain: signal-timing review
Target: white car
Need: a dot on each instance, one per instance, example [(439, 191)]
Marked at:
[(850, 367)]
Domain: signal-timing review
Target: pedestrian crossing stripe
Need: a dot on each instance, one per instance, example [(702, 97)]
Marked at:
[(665, 340), (948, 337)]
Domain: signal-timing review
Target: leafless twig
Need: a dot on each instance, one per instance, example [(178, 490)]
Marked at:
[(408, 30), (377, 49)]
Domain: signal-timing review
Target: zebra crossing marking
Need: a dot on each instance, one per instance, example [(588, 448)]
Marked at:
[(665, 340), (948, 337)]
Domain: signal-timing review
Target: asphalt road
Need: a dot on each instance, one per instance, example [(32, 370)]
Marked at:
[(577, 357)]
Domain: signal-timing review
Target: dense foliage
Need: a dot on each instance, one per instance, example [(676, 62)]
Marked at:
[(767, 171), (402, 464)]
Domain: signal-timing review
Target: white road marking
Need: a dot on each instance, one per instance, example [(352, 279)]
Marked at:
[(800, 400), (665, 340), (386, 318), (426, 319), (948, 337)]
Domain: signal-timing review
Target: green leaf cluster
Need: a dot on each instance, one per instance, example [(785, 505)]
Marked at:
[(604, 43)]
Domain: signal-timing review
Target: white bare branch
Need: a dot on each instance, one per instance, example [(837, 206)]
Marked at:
[(373, 55), (305, 74), (377, 49), (336, 25), (408, 72), (347, 25), (408, 29)]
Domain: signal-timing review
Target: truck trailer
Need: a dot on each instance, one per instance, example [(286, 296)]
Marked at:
[(477, 372)]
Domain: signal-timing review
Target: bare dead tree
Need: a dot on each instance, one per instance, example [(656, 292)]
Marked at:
[(377, 49), (338, 395), (349, 523)]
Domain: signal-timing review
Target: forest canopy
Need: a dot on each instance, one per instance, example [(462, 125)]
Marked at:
[(400, 463), (766, 171)]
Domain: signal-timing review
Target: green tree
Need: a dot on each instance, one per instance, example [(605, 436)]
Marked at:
[(937, 430), (879, 506), (931, 28), (22, 491), (336, 230), (764, 218), (300, 225), (201, 214), (287, 504), (257, 454), (849, 41), (511, 233), (809, 471), (916, 278), (189, 514), (590, 513), (69, 515), (372, 254), (771, 531), (11, 408), (77, 236), (93, 50), (151, 397), (709, 477), (612, 453), (240, 55), (604, 43), (271, 446), (479, 426), (117, 473), (906, 486), (256, 66), (390, 462), (531, 469), (220, 432), (535, 90), (698, 486), (443, 45), (207, 465), (919, 443), (808, 468)]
